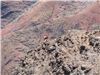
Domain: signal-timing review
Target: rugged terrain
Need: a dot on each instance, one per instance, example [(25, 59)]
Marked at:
[(53, 38), (75, 53)]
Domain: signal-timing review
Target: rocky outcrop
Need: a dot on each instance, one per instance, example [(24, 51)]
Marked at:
[(71, 54)]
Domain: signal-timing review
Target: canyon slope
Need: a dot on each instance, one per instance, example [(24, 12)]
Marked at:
[(52, 38)]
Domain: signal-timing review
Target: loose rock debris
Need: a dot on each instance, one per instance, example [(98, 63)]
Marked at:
[(75, 53)]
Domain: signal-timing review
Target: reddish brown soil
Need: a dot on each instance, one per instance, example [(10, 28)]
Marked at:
[(85, 18)]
